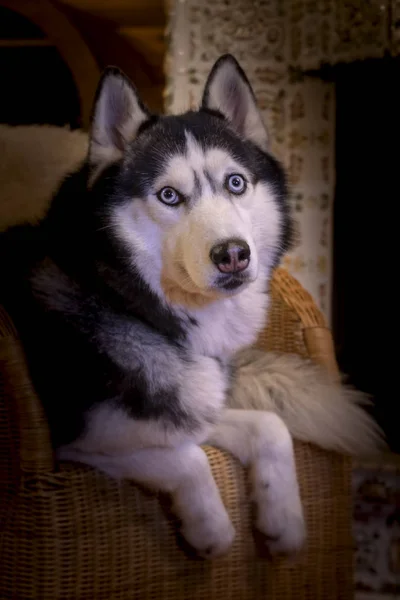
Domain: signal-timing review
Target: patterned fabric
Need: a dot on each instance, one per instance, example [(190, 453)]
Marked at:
[(377, 531), (309, 158), (274, 40), (333, 31)]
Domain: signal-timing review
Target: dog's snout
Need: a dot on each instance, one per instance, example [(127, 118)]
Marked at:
[(231, 256)]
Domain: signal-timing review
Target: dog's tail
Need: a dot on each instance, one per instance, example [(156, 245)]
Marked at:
[(315, 408)]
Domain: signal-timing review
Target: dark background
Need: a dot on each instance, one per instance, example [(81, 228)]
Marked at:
[(366, 287)]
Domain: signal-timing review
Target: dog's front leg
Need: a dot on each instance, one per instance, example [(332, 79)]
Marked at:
[(261, 441), (183, 472)]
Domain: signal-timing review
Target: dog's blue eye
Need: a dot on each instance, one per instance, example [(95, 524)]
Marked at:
[(236, 184), (169, 196)]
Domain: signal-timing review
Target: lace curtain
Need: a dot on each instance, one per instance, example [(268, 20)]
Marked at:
[(275, 41)]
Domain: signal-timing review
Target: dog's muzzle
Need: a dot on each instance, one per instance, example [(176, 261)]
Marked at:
[(231, 257)]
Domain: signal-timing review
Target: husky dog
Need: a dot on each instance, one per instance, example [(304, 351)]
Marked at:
[(137, 292)]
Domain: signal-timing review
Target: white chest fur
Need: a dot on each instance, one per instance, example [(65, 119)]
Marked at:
[(226, 326)]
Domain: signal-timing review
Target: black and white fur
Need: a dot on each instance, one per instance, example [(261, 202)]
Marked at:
[(132, 333)]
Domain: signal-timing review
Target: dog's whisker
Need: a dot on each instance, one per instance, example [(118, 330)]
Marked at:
[(105, 227)]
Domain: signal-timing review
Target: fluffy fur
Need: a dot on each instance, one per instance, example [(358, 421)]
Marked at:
[(133, 297), (315, 408)]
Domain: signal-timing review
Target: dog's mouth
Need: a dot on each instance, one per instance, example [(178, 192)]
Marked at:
[(231, 283), (228, 283)]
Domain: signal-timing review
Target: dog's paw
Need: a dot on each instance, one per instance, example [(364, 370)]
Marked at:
[(210, 535), (286, 536), (280, 519)]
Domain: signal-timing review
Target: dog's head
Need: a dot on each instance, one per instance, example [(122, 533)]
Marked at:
[(198, 202)]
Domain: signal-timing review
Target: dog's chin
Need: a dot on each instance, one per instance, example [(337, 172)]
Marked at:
[(180, 289)]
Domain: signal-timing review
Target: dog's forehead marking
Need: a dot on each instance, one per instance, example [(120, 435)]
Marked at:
[(198, 169), (213, 161)]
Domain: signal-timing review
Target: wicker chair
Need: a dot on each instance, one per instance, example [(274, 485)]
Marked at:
[(67, 532)]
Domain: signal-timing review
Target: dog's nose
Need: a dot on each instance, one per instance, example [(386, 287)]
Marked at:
[(231, 256)]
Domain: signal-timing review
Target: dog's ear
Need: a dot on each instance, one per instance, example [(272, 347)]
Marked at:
[(228, 91), (117, 115)]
